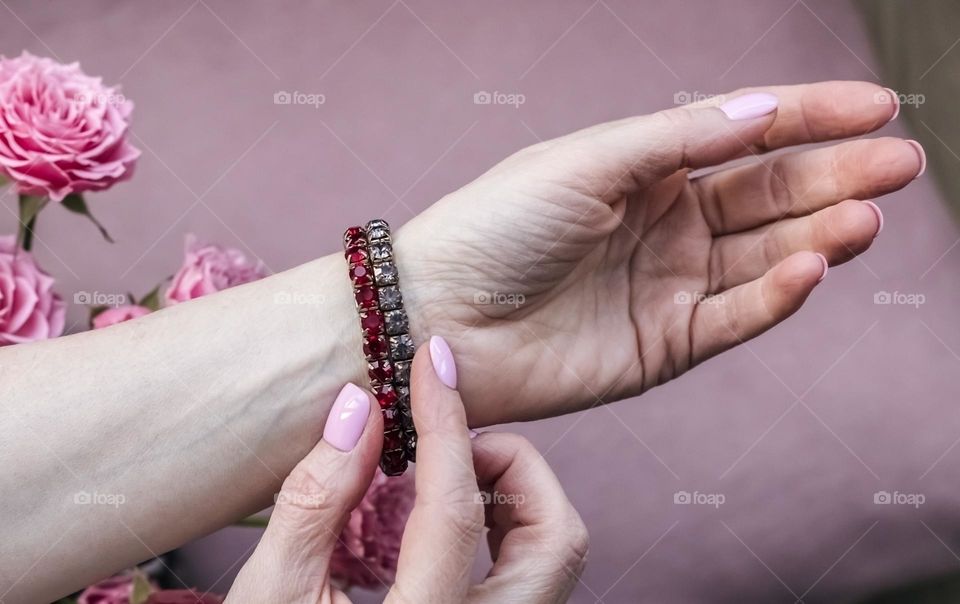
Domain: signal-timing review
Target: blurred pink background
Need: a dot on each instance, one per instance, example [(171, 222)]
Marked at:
[(399, 128)]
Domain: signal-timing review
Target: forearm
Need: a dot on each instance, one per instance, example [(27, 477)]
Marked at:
[(175, 424)]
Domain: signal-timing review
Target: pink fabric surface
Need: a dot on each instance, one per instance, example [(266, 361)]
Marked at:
[(399, 128)]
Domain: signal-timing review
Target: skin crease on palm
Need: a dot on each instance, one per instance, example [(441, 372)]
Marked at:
[(602, 232)]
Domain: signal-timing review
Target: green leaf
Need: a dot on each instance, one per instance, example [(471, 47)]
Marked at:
[(253, 521), (152, 299), (30, 206), (141, 589), (76, 204)]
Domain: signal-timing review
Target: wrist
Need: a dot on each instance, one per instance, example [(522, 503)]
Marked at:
[(426, 293), (320, 313)]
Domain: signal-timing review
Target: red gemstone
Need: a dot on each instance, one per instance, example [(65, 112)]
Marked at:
[(375, 347), (391, 420), (360, 275), (380, 371), (366, 297), (392, 440), (386, 396), (353, 237), (372, 321), (356, 255)]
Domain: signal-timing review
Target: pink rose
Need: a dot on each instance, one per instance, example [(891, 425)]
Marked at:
[(119, 314), (29, 308), (367, 553), (210, 268), (61, 131), (115, 590)]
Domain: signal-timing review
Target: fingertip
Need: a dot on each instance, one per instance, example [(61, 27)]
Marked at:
[(348, 418), (878, 213), (793, 279), (892, 98), (921, 157), (750, 106), (886, 164), (826, 267), (801, 268)]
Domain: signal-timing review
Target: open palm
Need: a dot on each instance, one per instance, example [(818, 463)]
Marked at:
[(593, 267)]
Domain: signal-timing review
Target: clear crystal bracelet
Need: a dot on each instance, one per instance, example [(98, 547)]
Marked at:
[(387, 345), (402, 347)]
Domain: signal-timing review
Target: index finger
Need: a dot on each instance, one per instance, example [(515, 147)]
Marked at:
[(822, 111), (443, 532), (536, 536)]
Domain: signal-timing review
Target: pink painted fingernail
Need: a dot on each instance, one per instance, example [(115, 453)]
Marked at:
[(896, 103), (473, 433), (443, 364), (876, 210), (347, 418), (923, 157), (750, 106), (826, 267)]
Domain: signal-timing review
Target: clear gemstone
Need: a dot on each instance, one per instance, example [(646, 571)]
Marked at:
[(377, 223), (390, 297), (385, 274), (401, 347), (381, 252), (401, 373), (396, 321), (376, 234)]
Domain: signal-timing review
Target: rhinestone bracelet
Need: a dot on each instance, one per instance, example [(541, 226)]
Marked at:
[(402, 347), (393, 460)]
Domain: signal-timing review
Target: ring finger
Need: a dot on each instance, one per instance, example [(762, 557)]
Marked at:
[(838, 232)]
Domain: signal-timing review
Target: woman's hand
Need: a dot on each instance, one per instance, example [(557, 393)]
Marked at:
[(537, 539), (576, 270)]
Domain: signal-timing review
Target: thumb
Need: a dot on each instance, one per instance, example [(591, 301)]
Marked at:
[(291, 561), (628, 155)]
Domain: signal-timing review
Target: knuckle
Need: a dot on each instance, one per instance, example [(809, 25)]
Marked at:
[(304, 495), (778, 187), (579, 539), (771, 250), (463, 515), (571, 544)]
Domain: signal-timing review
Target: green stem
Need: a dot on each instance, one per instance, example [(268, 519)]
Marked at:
[(28, 233), (253, 521)]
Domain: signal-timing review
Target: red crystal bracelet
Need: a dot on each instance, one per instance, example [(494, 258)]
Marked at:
[(393, 459)]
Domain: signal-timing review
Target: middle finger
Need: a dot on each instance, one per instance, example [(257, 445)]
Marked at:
[(800, 183)]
